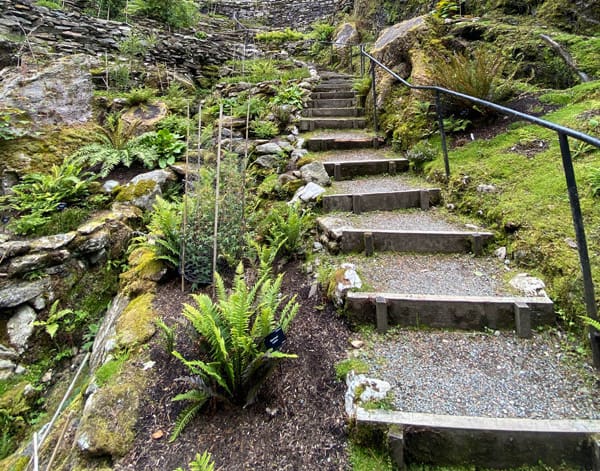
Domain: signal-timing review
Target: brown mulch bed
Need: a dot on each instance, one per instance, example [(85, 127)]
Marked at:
[(298, 421)]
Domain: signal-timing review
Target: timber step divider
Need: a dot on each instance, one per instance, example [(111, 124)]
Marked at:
[(451, 312), (384, 201), (484, 441), (346, 170)]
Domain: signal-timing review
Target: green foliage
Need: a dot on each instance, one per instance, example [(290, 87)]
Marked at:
[(165, 230), (233, 330), (63, 321), (368, 458), (168, 335), (136, 44), (408, 119), (166, 145), (177, 99), (453, 124), (140, 96), (260, 70), (265, 254), (202, 462), (289, 223), (38, 195), (447, 8), (10, 120), (119, 77), (49, 4), (63, 221), (108, 9), (176, 124), (362, 85), (110, 369), (594, 180), (264, 129), (477, 74), (175, 13), (279, 37), (322, 31), (290, 95), (351, 364)]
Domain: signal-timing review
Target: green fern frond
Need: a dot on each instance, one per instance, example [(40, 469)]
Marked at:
[(595, 323), (185, 418), (202, 462)]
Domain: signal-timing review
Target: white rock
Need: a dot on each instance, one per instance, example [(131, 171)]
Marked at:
[(528, 285), (7, 369), (500, 252), (315, 172), (372, 390), (20, 327), (110, 185), (349, 280), (268, 148), (486, 188), (309, 192)]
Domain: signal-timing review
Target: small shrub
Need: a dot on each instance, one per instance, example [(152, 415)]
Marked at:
[(420, 154), (166, 145), (175, 13), (233, 330), (477, 74), (264, 129), (140, 96), (290, 223), (291, 95), (453, 124), (119, 78), (362, 85), (49, 4), (176, 124), (279, 37), (136, 45), (177, 98), (322, 31), (447, 8)]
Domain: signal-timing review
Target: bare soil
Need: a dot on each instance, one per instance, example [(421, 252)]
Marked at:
[(298, 421)]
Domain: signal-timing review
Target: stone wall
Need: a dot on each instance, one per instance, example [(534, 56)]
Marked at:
[(278, 13), (70, 32)]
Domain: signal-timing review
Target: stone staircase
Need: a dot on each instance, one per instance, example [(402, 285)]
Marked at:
[(374, 210)]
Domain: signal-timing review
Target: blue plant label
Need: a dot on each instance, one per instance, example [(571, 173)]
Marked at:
[(275, 339)]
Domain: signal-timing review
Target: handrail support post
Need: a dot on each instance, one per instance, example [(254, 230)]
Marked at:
[(440, 117), (584, 259), (374, 90)]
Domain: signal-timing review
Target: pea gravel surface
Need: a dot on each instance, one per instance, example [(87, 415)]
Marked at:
[(480, 374), (375, 185)]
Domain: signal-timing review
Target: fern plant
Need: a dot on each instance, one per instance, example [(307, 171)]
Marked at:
[(202, 462), (117, 145), (233, 330), (289, 223)]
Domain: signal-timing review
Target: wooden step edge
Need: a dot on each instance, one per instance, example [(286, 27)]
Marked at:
[(381, 200), (485, 441), (519, 313), (508, 424)]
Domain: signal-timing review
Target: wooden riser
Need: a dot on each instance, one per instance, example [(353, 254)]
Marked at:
[(356, 168), (388, 201), (310, 124)]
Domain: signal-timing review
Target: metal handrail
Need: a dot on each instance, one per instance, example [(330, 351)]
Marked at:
[(563, 134)]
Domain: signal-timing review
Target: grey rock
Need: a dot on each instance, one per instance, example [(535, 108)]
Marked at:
[(36, 261), (161, 176), (19, 292), (95, 242), (110, 185), (268, 148), (370, 390), (267, 161), (528, 285), (297, 154), (104, 342), (39, 303), (346, 35), (286, 178), (315, 172), (308, 192), (52, 242), (20, 327), (12, 248), (7, 369), (500, 252), (7, 353), (486, 188)]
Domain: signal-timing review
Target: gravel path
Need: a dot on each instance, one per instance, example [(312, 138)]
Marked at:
[(477, 374), (376, 185), (339, 134), (406, 220), (453, 274), (354, 155)]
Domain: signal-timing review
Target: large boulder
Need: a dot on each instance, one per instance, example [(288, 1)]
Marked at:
[(60, 93), (20, 327), (346, 35)]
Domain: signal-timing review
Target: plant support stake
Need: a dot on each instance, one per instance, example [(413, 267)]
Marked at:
[(217, 195), (584, 259), (440, 117)]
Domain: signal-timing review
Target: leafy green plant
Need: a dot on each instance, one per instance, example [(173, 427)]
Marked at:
[(291, 95), (168, 335), (67, 320), (119, 77), (140, 96), (351, 364), (166, 145), (453, 124), (233, 330), (279, 37), (176, 124), (136, 44), (447, 8), (421, 153), (362, 85), (322, 31), (49, 4), (264, 129), (594, 180), (290, 223), (165, 230), (118, 145), (38, 195), (175, 13), (202, 462), (477, 74), (265, 254), (10, 121), (177, 98)]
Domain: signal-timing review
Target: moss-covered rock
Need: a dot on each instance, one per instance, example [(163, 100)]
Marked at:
[(109, 418), (144, 271), (141, 194), (137, 322)]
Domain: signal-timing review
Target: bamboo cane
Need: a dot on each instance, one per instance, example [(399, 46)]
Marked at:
[(185, 199), (217, 195)]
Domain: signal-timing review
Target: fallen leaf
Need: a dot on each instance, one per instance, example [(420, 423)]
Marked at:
[(158, 435)]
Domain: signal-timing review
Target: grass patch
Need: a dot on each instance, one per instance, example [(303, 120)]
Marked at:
[(365, 458), (351, 364)]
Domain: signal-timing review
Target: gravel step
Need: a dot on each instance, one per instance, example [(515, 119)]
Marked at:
[(443, 274), (341, 170), (334, 85), (378, 183), (332, 141), (337, 94), (310, 124)]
